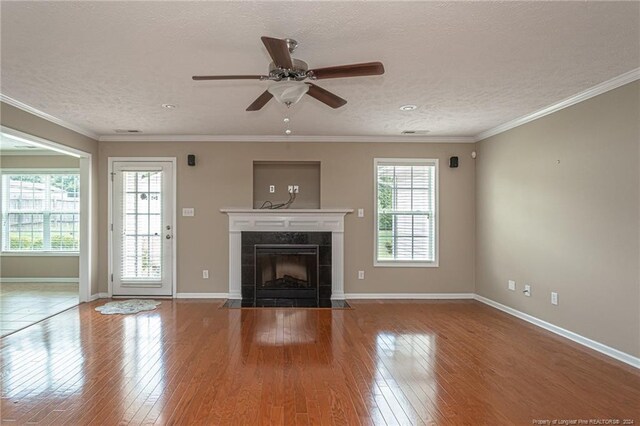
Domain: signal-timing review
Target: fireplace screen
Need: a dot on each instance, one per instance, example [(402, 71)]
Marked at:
[(286, 272)]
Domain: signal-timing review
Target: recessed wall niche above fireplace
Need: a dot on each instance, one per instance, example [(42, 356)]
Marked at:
[(278, 257), (271, 181)]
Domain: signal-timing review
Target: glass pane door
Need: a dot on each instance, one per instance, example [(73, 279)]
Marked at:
[(142, 236), (142, 225)]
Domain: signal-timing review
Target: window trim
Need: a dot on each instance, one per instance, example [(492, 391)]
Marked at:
[(436, 214), (37, 171)]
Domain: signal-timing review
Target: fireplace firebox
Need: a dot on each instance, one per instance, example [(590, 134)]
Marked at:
[(286, 269), (286, 274)]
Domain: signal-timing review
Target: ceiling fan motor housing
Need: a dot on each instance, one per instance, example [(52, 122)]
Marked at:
[(298, 72)]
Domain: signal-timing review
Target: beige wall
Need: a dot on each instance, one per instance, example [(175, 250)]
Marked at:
[(223, 178), (20, 120), (38, 266), (38, 161), (557, 208)]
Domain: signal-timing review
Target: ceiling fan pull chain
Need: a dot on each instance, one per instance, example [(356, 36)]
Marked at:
[(287, 120)]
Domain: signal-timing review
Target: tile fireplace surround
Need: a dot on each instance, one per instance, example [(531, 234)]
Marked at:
[(288, 222)]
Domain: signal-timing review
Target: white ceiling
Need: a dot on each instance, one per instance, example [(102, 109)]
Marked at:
[(468, 66)]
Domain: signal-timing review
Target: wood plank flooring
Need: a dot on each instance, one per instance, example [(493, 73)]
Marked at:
[(190, 362)]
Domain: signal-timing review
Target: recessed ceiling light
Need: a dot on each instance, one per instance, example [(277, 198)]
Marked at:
[(168, 106), (408, 107)]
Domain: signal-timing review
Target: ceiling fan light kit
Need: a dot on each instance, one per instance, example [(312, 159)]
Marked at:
[(288, 92), (289, 75)]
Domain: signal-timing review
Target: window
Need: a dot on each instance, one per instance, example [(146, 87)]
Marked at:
[(40, 211), (406, 212)]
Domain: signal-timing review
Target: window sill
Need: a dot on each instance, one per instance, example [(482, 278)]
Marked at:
[(39, 253), (404, 264)]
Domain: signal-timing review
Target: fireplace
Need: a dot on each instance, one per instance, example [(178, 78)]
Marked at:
[(286, 275), (286, 269), (321, 227)]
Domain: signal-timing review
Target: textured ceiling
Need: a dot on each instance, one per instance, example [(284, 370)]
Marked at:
[(468, 66)]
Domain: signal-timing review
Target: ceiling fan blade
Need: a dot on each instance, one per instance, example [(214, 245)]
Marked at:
[(279, 52), (353, 70), (229, 77), (324, 96), (261, 101)]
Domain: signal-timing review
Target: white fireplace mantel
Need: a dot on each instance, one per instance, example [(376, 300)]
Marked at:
[(289, 220)]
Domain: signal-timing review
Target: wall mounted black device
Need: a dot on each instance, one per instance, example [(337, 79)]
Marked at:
[(191, 160), (453, 162)]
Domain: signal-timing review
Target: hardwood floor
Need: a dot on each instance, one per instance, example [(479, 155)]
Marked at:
[(190, 362)]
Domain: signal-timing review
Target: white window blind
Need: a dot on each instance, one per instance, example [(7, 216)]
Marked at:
[(406, 219), (142, 225), (40, 211)]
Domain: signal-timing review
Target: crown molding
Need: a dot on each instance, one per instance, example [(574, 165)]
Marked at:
[(34, 111), (279, 138), (596, 90)]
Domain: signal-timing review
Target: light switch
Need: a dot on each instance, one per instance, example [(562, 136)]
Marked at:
[(360, 212), (188, 212)]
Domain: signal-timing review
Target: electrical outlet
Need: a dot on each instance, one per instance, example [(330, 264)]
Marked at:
[(205, 274), (290, 189), (296, 189), (554, 298), (272, 189), (361, 275), (527, 290), (360, 212), (188, 212), (512, 285)]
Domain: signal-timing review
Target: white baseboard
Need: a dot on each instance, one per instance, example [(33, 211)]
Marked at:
[(202, 295), (591, 344), (98, 296), (39, 280), (178, 296), (421, 296)]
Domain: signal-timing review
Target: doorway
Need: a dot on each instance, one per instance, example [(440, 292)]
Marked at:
[(44, 235), (142, 227)]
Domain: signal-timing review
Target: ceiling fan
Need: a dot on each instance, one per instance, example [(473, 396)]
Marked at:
[(289, 75)]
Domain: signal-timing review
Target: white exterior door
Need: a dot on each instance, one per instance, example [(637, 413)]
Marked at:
[(142, 228)]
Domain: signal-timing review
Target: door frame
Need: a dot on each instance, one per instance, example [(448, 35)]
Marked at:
[(85, 250), (174, 245)]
